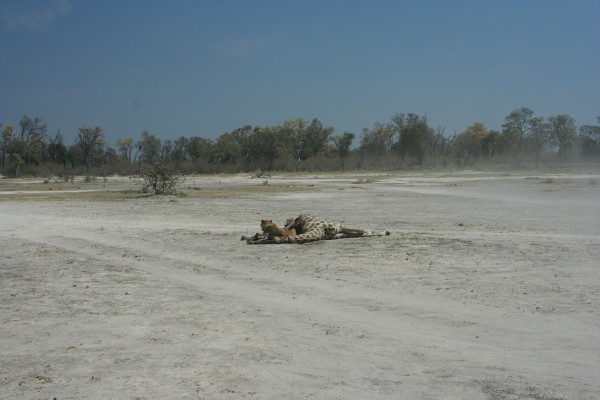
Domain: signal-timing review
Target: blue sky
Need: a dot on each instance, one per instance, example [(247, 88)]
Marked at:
[(203, 68)]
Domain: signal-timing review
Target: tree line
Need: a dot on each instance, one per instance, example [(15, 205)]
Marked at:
[(405, 141)]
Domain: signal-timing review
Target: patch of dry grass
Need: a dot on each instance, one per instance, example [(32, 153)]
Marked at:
[(55, 195), (244, 191), (117, 191)]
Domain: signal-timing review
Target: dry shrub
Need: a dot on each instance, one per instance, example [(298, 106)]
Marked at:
[(158, 177)]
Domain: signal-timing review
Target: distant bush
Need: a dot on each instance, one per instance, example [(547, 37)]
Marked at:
[(158, 178), (64, 176)]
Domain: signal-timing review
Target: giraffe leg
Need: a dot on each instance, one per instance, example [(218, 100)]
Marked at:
[(347, 232), (264, 240), (353, 231)]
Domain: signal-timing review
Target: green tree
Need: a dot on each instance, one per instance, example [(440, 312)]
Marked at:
[(469, 142), (295, 130), (198, 148), (562, 131), (413, 141), (8, 136), (317, 137), (179, 152), (377, 141), (590, 139), (36, 150), (490, 143), (14, 148), (17, 163), (90, 142), (515, 128), (538, 136), (231, 147), (267, 144), (149, 147), (414, 136), (401, 121), (342, 146)]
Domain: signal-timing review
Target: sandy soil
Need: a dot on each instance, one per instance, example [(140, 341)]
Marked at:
[(487, 288)]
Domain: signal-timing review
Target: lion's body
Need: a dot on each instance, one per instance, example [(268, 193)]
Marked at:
[(271, 229)]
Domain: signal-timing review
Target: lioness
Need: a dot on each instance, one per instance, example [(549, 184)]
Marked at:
[(271, 229)]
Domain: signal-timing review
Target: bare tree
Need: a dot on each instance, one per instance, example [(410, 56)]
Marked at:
[(437, 141), (33, 132), (32, 127), (55, 146), (125, 147), (90, 141)]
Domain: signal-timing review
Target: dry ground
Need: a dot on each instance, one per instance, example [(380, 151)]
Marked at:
[(487, 288)]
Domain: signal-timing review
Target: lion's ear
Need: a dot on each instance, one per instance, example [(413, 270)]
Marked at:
[(262, 221), (270, 220)]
